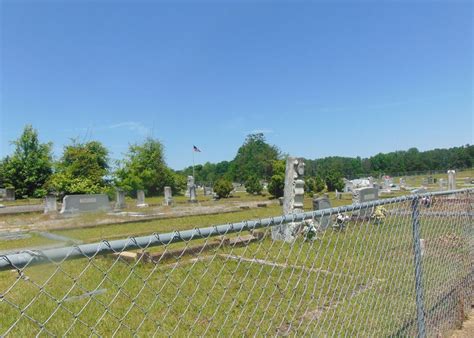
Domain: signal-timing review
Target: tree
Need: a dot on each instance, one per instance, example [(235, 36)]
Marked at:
[(253, 186), (30, 166), (334, 181), (319, 184), (82, 169), (223, 188), (144, 167), (254, 157)]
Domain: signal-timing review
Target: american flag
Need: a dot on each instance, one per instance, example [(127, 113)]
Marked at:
[(196, 149)]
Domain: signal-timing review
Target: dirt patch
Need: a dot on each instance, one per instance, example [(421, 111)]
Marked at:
[(467, 330)]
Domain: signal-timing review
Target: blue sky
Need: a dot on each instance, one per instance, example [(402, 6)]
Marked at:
[(318, 78)]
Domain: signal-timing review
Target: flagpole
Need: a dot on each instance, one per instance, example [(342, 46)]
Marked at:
[(193, 163)]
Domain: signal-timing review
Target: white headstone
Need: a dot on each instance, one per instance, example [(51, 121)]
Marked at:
[(141, 199), (293, 197), (451, 179), (168, 196), (50, 205)]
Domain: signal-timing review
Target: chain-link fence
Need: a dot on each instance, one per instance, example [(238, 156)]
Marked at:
[(394, 267)]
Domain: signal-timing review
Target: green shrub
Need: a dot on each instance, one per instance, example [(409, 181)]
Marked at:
[(223, 188), (277, 185), (253, 186)]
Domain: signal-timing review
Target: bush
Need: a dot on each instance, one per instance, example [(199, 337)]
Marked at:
[(253, 186), (334, 181), (276, 185), (320, 185), (223, 188)]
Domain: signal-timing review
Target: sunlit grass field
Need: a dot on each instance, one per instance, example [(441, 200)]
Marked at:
[(359, 281)]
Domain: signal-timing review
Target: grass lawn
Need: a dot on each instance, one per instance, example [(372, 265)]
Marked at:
[(354, 282)]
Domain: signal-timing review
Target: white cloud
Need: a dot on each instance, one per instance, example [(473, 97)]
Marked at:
[(136, 127)]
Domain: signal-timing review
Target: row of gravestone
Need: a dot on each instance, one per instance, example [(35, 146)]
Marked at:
[(73, 204)]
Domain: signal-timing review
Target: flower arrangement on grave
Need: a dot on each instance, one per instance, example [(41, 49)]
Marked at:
[(379, 214)]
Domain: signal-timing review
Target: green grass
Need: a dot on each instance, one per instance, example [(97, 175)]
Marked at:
[(356, 282), (25, 201)]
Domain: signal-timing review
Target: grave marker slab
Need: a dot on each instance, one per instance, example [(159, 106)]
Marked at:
[(50, 204), (320, 203), (141, 199), (119, 199), (191, 190), (73, 204), (168, 196), (451, 179), (364, 195), (293, 196), (9, 194)]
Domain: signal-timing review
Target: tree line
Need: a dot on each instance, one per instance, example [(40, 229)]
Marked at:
[(85, 167)]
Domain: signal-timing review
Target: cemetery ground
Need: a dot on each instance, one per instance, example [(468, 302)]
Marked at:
[(351, 280)]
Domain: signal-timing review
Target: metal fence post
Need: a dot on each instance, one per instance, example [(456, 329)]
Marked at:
[(420, 308)]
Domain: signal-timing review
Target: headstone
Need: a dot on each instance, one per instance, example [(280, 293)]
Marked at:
[(419, 191), (2, 193), (431, 180), (168, 196), (338, 195), (442, 183), (451, 180), (119, 199), (387, 182), (73, 204), (50, 205), (141, 199), (467, 180), (402, 182), (293, 196), (348, 185), (191, 190), (364, 195), (319, 204), (9, 194)]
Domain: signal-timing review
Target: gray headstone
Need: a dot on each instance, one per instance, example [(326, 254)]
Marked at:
[(319, 204), (141, 199), (50, 204), (451, 179), (364, 195), (191, 190), (9, 194), (419, 191), (73, 204), (293, 196), (120, 199), (168, 196), (2, 193)]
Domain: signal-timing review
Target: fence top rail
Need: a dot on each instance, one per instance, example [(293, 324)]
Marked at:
[(25, 258)]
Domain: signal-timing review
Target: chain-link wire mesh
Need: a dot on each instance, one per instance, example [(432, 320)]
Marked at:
[(394, 267)]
